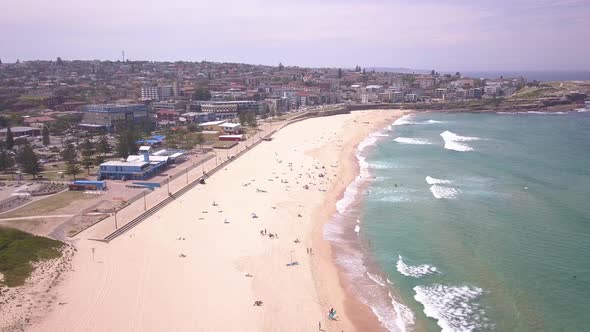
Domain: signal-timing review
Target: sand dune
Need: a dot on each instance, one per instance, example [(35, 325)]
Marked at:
[(184, 269)]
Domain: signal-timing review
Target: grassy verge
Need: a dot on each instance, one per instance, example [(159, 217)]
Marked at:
[(18, 250)]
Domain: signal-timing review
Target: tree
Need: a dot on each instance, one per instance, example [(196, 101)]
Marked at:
[(98, 159), (281, 66), (202, 94), (45, 133), (200, 139), (243, 118), (9, 139), (339, 72), (7, 162), (28, 161), (59, 61), (88, 162), (73, 169), (69, 153), (88, 152), (103, 146), (251, 119), (126, 142), (457, 74), (432, 72)]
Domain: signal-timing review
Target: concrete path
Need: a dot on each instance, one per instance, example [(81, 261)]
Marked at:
[(37, 217)]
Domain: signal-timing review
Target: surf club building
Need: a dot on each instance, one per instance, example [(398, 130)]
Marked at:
[(140, 167)]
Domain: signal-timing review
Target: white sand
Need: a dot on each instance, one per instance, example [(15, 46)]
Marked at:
[(139, 282)]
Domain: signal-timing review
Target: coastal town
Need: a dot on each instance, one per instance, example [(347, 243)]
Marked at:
[(94, 148)]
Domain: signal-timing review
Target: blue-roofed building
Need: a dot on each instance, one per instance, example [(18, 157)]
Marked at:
[(111, 117)]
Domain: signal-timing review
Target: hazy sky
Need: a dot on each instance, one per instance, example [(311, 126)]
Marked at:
[(439, 34)]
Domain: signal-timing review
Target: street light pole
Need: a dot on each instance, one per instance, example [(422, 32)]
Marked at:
[(144, 201), (116, 225), (168, 185)]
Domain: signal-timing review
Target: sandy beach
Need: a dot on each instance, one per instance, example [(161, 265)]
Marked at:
[(200, 263)]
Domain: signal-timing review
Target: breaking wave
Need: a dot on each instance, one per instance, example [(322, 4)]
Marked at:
[(440, 192), (453, 307), (452, 141), (409, 140), (431, 180), (417, 271)]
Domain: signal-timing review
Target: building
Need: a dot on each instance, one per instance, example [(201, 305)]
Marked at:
[(411, 98), (130, 170), (221, 111), (167, 115), (112, 117), (425, 82), (492, 89), (196, 117), (139, 167), (162, 92), (21, 132), (475, 93), (397, 97), (440, 93), (222, 126)]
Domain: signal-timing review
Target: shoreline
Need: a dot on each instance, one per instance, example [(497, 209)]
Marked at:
[(361, 315)]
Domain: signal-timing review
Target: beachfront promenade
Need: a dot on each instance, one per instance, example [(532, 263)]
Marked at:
[(174, 187)]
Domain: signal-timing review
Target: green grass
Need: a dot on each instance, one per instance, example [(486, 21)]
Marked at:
[(46, 205), (18, 250)]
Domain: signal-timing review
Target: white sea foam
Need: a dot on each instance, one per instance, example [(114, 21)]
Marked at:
[(452, 141), (383, 165), (440, 192), (379, 134), (453, 307), (348, 197), (454, 137), (404, 120), (398, 317), (352, 190), (409, 140), (367, 142), (357, 229), (405, 316), (377, 279), (407, 120), (417, 271), (582, 110), (431, 180)]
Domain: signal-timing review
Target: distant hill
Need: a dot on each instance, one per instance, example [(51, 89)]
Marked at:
[(398, 70)]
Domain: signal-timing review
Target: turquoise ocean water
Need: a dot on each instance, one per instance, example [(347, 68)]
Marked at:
[(472, 222)]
